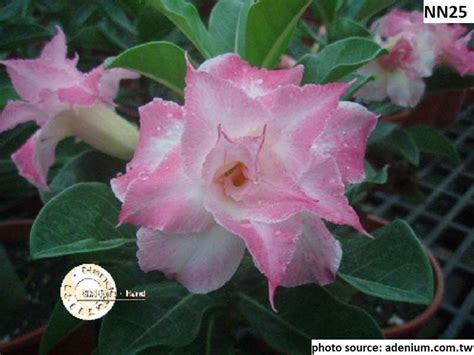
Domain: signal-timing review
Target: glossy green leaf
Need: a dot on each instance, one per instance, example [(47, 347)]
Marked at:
[(305, 313), (117, 15), (343, 28), (340, 59), (88, 166), (161, 61), (270, 24), (152, 25), (224, 24), (369, 8), (185, 16), (430, 140), (382, 130), (393, 266), (214, 338), (81, 219), (60, 324), (170, 316), (327, 9), (13, 35), (399, 142)]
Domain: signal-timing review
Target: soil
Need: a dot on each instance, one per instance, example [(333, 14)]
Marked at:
[(42, 280), (387, 313)]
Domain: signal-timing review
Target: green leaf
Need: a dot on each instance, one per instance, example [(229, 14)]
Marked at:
[(152, 25), (343, 28), (305, 313), (430, 140), (117, 16), (214, 338), (369, 8), (11, 183), (340, 59), (13, 291), (170, 316), (382, 130), (7, 93), (392, 266), (224, 24), (14, 35), (88, 166), (400, 142), (270, 24), (356, 192), (60, 324), (161, 61), (185, 16), (80, 219), (327, 9), (358, 81)]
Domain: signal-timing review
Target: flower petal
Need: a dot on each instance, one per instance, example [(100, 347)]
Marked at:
[(18, 112), (202, 262), (28, 77), (166, 199), (317, 255), (322, 182), (212, 102), (403, 90), (160, 130), (55, 51), (36, 156), (271, 245), (109, 82), (299, 117), (345, 139), (254, 81)]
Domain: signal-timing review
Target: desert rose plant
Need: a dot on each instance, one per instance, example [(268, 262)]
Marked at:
[(64, 102), (241, 186)]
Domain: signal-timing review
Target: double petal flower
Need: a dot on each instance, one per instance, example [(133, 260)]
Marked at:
[(252, 160), (64, 102), (415, 48)]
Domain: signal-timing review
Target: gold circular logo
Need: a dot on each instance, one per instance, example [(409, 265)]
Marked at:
[(88, 292)]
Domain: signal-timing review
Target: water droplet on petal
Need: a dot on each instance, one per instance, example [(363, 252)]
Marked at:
[(143, 176)]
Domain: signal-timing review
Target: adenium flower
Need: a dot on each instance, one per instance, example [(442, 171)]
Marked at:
[(64, 102), (252, 160), (415, 49), (452, 47), (399, 75)]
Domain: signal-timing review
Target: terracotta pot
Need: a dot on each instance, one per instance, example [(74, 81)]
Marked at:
[(438, 110), (81, 341), (411, 328)]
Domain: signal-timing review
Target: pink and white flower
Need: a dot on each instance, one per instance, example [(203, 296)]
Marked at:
[(399, 75), (64, 102), (415, 49), (452, 48), (252, 160)]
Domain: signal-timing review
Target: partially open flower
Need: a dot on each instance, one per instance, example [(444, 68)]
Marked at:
[(399, 75), (415, 49), (453, 48), (252, 160), (64, 102)]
